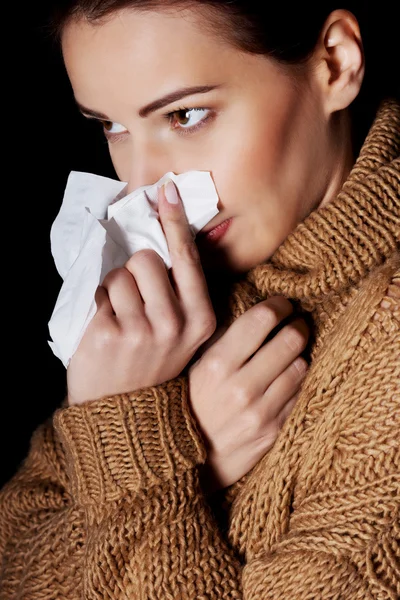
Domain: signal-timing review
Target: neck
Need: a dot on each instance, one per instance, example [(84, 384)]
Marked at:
[(337, 245), (343, 156)]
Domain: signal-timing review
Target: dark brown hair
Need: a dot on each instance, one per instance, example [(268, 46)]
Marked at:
[(285, 30)]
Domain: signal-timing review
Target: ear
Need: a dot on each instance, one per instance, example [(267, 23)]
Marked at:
[(340, 61)]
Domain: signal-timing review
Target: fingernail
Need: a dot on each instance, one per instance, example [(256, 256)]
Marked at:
[(170, 192)]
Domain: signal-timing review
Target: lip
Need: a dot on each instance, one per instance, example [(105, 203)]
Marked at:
[(214, 234)]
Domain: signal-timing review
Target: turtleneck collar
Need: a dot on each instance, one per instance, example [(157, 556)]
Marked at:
[(338, 244)]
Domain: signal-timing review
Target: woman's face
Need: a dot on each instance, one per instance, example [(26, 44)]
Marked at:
[(174, 97)]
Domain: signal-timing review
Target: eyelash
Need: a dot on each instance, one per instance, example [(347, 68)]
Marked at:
[(181, 130), (116, 137)]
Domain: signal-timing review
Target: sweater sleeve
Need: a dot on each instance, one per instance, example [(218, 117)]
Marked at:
[(108, 505)]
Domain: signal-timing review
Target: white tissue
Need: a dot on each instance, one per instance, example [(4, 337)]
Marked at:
[(98, 228)]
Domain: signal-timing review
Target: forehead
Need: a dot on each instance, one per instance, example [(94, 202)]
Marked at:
[(143, 47)]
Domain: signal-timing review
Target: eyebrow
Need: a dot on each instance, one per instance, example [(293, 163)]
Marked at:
[(156, 104)]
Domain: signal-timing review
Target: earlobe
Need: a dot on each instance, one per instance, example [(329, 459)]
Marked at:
[(343, 57)]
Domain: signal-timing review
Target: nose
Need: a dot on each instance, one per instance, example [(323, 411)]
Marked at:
[(147, 167)]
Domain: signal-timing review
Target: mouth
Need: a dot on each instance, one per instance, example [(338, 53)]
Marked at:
[(214, 234)]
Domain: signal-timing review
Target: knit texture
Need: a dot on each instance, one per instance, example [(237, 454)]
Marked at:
[(109, 505)]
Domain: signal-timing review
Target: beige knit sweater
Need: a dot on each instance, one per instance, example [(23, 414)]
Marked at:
[(108, 504)]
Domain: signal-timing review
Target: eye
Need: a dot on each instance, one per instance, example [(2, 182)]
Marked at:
[(188, 118), (113, 128)]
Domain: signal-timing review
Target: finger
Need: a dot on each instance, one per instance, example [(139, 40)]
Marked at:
[(104, 311), (123, 294), (245, 336), (103, 304), (187, 272), (151, 277), (277, 355), (279, 394), (207, 344), (286, 411)]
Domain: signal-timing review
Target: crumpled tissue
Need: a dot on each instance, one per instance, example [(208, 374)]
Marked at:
[(97, 229)]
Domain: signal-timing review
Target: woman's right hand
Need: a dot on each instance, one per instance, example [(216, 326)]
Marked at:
[(149, 321), (242, 390)]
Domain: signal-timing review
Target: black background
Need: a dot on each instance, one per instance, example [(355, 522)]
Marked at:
[(44, 139)]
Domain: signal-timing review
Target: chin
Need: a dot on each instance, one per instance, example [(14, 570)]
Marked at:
[(220, 260)]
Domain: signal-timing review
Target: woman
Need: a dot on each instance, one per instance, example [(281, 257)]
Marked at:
[(174, 394)]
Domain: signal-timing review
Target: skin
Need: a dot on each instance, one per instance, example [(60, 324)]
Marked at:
[(277, 143), (274, 146)]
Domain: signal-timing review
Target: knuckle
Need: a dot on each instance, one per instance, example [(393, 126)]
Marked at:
[(105, 334), (266, 440), (295, 338), (264, 314), (270, 312), (242, 398), (185, 252), (279, 303), (205, 327), (170, 329), (285, 413), (215, 365), (299, 368), (138, 334), (114, 275), (281, 420), (273, 431), (144, 255), (252, 423), (177, 217), (278, 306)]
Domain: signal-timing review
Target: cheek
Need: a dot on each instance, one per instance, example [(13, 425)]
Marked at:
[(252, 162), (120, 158)]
